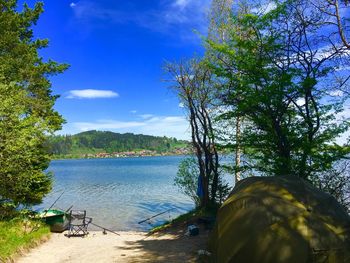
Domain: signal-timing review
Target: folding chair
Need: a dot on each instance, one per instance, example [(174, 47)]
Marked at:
[(78, 223)]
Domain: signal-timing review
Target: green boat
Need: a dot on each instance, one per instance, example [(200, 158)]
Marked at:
[(56, 219)]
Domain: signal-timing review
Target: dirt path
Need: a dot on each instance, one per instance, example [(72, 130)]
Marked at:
[(168, 246)]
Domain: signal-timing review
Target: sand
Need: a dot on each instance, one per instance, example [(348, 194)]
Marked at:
[(168, 246)]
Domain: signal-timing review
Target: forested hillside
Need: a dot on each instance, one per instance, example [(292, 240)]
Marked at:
[(93, 142)]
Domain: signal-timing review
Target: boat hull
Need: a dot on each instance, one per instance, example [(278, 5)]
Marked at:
[(56, 219)]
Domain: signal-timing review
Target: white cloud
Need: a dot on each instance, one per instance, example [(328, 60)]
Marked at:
[(183, 78), (179, 17), (133, 111), (171, 126), (344, 116), (300, 102), (264, 8), (329, 51), (106, 125), (183, 14), (181, 3), (91, 94), (146, 116), (181, 105), (336, 93), (269, 7), (72, 5), (343, 68)]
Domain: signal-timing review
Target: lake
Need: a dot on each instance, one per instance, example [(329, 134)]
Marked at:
[(118, 193)]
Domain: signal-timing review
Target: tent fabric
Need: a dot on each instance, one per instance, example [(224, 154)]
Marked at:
[(280, 220)]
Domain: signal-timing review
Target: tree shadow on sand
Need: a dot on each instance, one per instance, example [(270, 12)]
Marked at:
[(170, 245)]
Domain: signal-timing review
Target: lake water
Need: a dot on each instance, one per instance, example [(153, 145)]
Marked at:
[(118, 193)]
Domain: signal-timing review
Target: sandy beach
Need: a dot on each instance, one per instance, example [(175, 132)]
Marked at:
[(167, 246)]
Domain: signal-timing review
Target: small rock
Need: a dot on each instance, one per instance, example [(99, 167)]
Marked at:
[(203, 252)]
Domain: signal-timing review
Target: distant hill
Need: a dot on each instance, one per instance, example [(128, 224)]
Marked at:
[(95, 142)]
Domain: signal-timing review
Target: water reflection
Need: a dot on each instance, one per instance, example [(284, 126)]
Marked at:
[(118, 193)]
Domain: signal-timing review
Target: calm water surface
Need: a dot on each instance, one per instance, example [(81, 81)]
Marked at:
[(118, 193)]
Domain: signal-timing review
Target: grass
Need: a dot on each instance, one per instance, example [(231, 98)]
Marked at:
[(17, 235), (183, 219)]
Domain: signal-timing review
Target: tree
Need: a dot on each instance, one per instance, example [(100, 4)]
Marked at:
[(22, 156), (187, 179), (192, 83), (219, 19), (336, 182), (336, 18), (26, 106), (219, 28), (338, 23), (279, 71)]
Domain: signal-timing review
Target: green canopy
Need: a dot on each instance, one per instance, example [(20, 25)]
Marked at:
[(280, 220)]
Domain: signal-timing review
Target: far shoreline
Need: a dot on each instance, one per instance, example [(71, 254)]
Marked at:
[(119, 157)]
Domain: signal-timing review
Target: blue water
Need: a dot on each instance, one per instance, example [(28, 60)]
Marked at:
[(118, 193)]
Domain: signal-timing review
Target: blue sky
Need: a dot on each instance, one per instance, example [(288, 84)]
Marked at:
[(116, 50)]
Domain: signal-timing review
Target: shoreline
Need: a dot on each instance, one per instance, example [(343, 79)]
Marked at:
[(120, 157), (171, 245)]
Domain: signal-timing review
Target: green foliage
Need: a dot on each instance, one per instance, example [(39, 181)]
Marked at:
[(223, 191), (19, 234), (26, 106), (336, 182), (264, 79), (91, 142), (23, 157), (192, 82), (187, 179), (8, 210)]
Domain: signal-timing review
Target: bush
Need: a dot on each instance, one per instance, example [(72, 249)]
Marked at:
[(187, 179)]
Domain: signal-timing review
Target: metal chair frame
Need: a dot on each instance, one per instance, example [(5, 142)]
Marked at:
[(78, 223)]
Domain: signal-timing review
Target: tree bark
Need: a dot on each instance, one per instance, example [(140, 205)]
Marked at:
[(238, 150)]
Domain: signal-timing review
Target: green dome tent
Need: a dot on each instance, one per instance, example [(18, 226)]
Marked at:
[(280, 220)]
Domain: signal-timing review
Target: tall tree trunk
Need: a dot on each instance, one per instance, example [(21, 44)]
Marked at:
[(238, 150)]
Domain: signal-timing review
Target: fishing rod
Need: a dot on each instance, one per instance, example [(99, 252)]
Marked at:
[(53, 204), (156, 215), (69, 209), (105, 229), (56, 200)]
